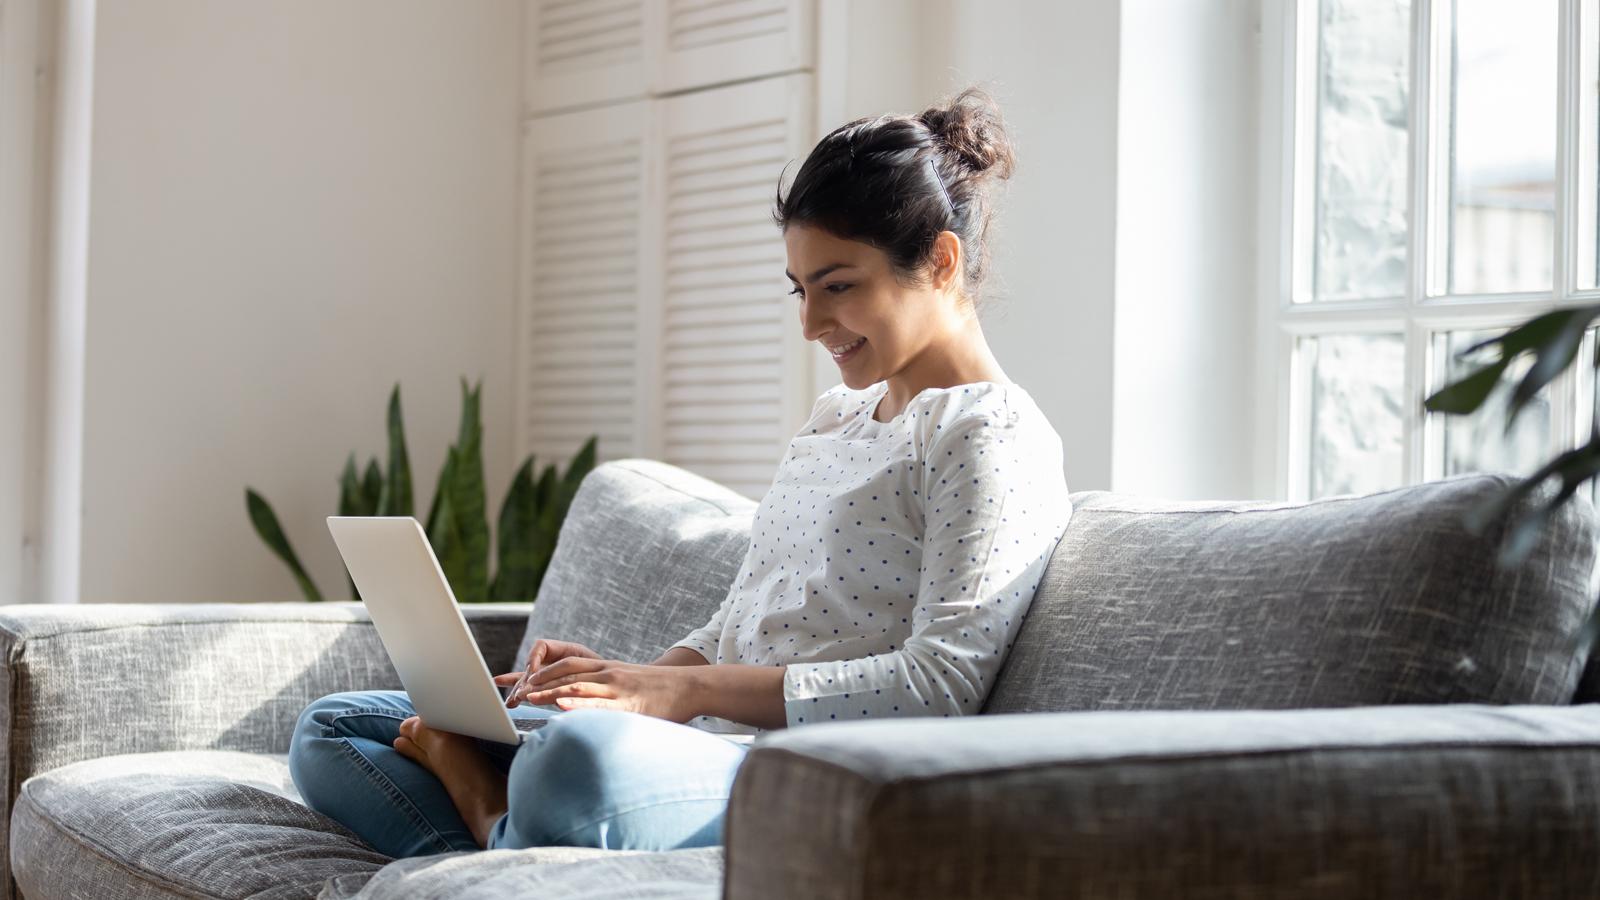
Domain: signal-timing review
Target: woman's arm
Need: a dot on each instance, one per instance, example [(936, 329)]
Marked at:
[(678, 690)]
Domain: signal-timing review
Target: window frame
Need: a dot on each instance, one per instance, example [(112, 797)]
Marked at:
[(1286, 219)]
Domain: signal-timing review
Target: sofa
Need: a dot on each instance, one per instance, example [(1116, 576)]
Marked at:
[(1338, 698)]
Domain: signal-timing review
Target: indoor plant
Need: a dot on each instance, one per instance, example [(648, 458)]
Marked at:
[(457, 525)]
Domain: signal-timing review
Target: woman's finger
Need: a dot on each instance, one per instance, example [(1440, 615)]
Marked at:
[(600, 676), (589, 702), (567, 666), (576, 689)]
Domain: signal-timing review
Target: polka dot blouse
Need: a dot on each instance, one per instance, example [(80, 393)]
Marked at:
[(891, 563)]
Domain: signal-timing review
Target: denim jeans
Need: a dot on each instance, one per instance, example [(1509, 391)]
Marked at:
[(590, 778)]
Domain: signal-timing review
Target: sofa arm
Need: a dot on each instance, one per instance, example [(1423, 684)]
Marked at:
[(1460, 800)]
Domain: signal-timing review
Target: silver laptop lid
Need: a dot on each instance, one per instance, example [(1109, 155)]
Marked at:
[(421, 626)]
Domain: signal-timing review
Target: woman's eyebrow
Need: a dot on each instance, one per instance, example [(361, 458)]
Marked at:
[(820, 272)]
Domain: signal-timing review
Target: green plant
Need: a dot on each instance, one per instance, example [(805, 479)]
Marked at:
[(457, 524), (1553, 339)]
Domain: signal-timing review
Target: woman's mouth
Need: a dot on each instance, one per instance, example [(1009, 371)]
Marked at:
[(850, 352)]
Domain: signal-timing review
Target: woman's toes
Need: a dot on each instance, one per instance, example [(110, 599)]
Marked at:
[(407, 748)]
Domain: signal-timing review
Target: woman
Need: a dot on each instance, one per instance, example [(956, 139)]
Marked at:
[(890, 564)]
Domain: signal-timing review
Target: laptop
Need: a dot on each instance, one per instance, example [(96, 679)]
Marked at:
[(422, 627)]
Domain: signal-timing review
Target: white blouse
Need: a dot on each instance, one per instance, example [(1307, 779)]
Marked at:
[(891, 563)]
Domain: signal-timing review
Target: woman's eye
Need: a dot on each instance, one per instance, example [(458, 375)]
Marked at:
[(832, 289)]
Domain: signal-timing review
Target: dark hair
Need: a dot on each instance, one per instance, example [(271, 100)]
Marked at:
[(896, 181)]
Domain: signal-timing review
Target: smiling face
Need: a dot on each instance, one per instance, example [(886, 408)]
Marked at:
[(845, 290)]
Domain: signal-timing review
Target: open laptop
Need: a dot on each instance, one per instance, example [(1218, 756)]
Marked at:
[(422, 627)]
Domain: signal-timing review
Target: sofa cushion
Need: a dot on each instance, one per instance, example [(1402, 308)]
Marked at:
[(216, 823), (646, 554), (1378, 599), (220, 823), (570, 873)]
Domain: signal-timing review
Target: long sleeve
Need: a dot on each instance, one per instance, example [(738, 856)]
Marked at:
[(995, 504)]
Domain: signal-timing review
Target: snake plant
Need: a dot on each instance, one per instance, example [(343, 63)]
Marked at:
[(457, 524)]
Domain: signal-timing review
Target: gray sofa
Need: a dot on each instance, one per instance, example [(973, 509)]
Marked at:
[(1343, 698)]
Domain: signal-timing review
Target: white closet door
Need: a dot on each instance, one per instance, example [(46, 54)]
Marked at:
[(704, 42), (583, 52), (735, 372), (580, 355)]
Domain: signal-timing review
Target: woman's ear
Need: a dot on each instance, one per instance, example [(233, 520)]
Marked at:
[(946, 264)]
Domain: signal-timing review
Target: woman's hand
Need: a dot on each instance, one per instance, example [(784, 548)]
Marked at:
[(542, 653), (575, 682)]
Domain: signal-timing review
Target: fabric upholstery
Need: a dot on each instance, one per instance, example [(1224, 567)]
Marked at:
[(646, 554), (229, 824), (178, 824), (1464, 800), (185, 677), (1387, 598), (567, 873)]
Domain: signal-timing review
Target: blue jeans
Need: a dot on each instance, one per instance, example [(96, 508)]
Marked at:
[(590, 778)]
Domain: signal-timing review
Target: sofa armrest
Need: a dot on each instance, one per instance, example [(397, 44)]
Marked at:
[(1460, 800)]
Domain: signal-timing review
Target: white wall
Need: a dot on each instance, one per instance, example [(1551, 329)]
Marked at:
[(1183, 385), (294, 206)]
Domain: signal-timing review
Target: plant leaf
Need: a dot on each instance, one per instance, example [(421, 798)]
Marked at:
[(468, 499), (266, 525), (516, 578), (444, 534), (371, 488), (1467, 394), (397, 486), (1552, 355)]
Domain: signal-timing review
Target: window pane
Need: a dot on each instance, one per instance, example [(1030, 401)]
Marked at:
[(1502, 146), (1355, 415), (1477, 442), (1363, 102)]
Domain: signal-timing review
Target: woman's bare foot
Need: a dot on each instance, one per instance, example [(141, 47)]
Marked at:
[(474, 784)]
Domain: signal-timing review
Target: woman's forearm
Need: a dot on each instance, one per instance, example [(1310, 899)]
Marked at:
[(752, 695)]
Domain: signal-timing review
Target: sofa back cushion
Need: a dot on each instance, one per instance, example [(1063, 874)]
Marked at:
[(646, 554), (1380, 599)]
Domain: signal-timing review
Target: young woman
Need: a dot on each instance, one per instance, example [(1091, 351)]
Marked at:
[(890, 563)]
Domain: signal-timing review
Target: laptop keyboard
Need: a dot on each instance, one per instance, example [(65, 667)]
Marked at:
[(528, 724)]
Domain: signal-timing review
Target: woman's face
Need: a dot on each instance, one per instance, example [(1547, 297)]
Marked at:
[(846, 291)]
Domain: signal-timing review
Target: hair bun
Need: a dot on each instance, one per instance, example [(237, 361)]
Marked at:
[(970, 127)]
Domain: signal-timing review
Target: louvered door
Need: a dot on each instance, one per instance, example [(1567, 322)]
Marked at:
[(734, 371), (583, 52), (582, 361), (705, 42)]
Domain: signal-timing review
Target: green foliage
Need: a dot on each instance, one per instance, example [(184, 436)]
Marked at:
[(457, 524), (1553, 339)]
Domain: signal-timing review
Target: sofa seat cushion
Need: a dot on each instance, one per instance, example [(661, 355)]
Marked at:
[(220, 823), (570, 873), (189, 823)]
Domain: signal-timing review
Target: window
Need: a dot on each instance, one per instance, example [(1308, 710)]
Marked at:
[(1436, 163)]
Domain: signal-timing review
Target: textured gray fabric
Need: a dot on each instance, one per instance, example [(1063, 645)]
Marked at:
[(198, 823), (1464, 800), (646, 554), (568, 873), (1379, 599), (186, 676)]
